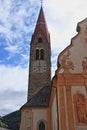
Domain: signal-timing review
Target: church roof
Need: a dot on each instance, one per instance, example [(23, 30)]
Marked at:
[(41, 26), (41, 99)]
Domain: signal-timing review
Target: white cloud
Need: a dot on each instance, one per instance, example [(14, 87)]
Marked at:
[(13, 78), (62, 17), (16, 24), (12, 48), (14, 85), (26, 57), (11, 100), (13, 18)]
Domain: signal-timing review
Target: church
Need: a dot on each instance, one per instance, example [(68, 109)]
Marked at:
[(59, 103)]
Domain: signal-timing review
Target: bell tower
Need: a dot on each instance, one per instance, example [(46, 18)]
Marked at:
[(40, 57)]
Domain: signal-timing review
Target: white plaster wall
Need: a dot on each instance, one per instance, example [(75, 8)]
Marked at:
[(37, 116), (26, 119), (54, 114)]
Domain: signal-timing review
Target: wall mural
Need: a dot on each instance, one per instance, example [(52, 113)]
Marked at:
[(66, 63), (80, 107)]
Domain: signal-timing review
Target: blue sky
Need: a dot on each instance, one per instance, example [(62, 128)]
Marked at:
[(17, 23)]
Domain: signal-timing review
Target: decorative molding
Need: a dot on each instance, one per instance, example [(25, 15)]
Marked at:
[(72, 79)]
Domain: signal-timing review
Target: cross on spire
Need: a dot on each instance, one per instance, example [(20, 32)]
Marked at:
[(41, 2)]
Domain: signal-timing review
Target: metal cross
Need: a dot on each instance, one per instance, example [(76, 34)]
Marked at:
[(41, 2)]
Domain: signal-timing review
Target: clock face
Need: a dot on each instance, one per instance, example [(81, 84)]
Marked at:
[(36, 66), (39, 66), (43, 66)]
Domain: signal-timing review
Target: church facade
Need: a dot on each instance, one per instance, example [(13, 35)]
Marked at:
[(60, 103)]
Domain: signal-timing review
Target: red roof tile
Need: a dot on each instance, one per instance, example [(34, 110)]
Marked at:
[(41, 26)]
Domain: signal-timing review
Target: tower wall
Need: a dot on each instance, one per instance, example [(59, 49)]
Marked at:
[(38, 80)]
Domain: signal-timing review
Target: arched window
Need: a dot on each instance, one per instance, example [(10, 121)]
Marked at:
[(41, 126), (37, 54), (41, 54), (40, 40)]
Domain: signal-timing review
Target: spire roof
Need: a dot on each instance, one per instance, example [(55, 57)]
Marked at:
[(41, 18), (41, 26)]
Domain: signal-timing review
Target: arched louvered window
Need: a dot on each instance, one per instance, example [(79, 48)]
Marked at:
[(40, 40), (41, 54), (37, 54), (41, 126)]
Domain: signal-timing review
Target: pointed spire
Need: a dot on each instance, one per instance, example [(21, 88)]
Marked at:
[(41, 18), (41, 26)]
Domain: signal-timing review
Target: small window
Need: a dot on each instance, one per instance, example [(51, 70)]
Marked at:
[(37, 54), (41, 126), (40, 40), (41, 54)]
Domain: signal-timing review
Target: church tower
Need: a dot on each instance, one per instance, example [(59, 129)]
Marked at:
[(40, 61), (35, 113)]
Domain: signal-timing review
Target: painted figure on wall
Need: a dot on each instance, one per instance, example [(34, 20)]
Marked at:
[(80, 107)]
